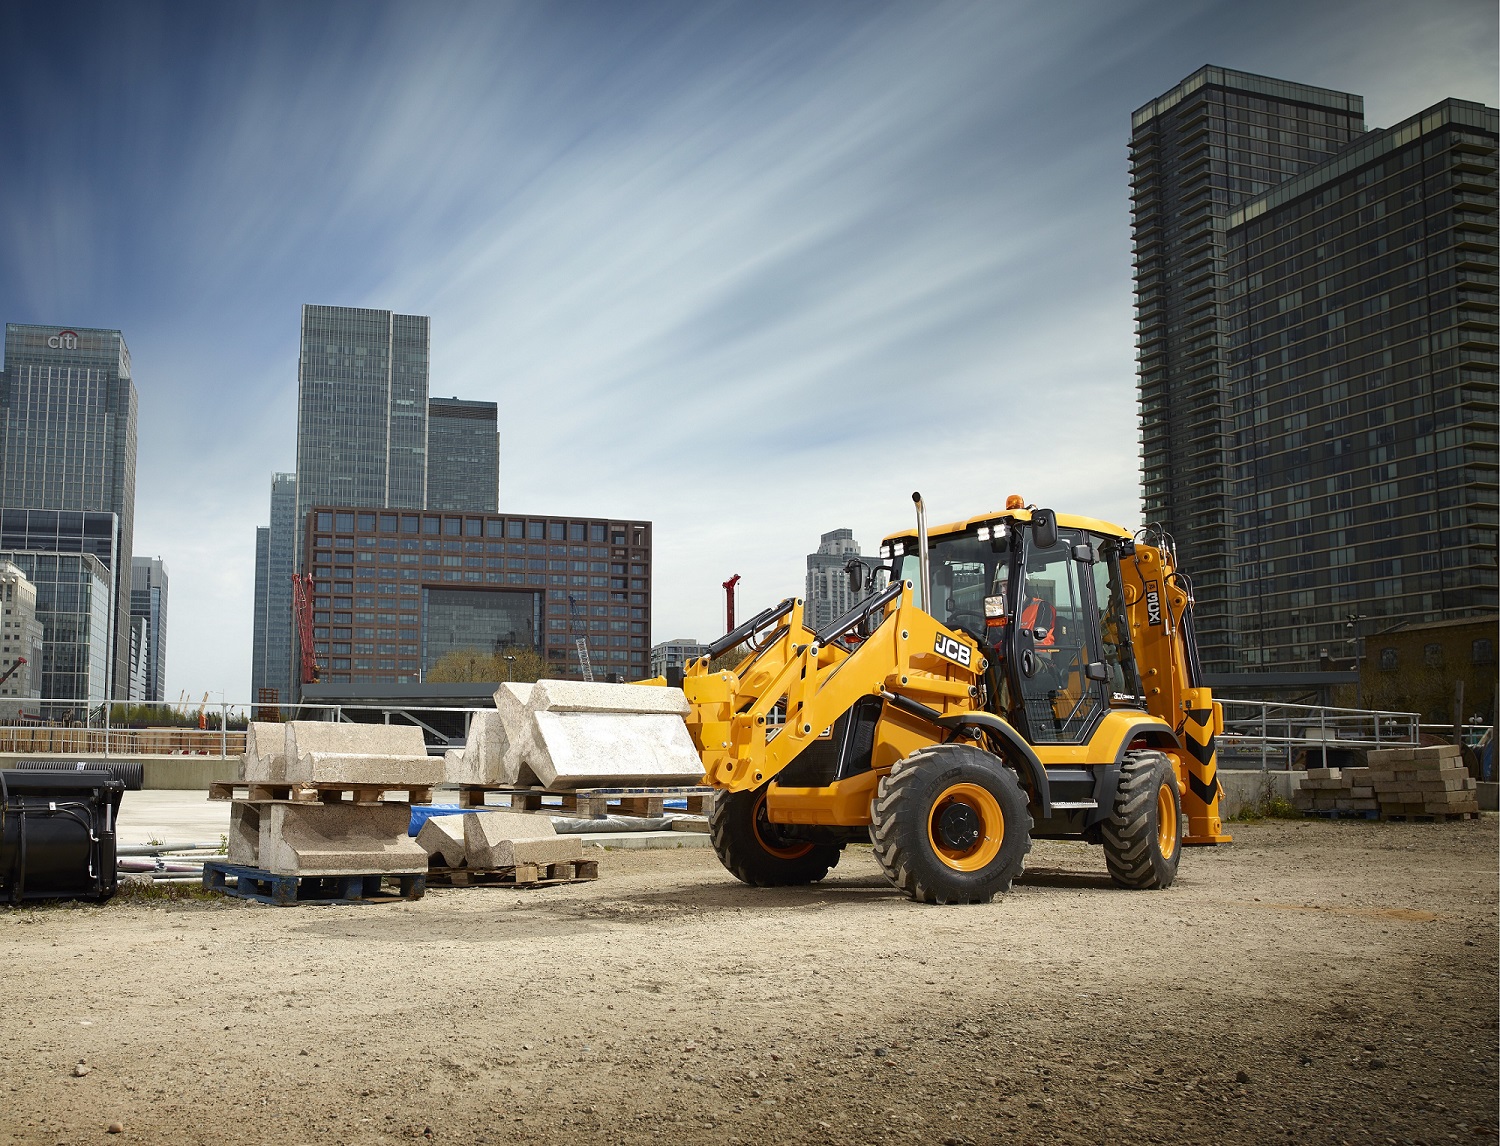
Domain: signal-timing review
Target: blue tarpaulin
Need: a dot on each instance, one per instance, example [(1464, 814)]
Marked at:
[(420, 814)]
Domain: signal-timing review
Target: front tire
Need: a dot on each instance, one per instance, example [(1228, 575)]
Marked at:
[(1143, 836), (756, 851), (950, 824)]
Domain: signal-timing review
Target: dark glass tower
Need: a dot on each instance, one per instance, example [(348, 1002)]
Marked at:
[(148, 600), (1215, 140), (361, 409), (1362, 315), (463, 455), (275, 561), (68, 443)]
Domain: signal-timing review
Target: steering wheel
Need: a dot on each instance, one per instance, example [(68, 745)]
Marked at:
[(970, 625)]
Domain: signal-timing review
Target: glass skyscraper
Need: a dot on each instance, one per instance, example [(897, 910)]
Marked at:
[(275, 561), (463, 455), (1313, 368), (361, 409), (1362, 376), (68, 443), (1214, 140), (148, 601)]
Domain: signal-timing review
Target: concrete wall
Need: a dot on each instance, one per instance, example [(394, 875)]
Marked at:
[(1253, 786), (193, 773)]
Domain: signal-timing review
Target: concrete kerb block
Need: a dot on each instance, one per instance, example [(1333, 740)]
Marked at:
[(505, 839), (482, 760), (244, 833), (442, 838), (265, 753), (515, 765), (331, 752), (584, 696), (583, 749), (339, 839)]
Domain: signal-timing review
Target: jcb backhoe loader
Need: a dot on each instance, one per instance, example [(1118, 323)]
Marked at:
[(1022, 675)]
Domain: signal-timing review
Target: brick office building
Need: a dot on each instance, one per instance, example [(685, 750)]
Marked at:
[(394, 590)]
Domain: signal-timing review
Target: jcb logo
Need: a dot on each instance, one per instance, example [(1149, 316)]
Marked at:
[(954, 650), (1153, 604)]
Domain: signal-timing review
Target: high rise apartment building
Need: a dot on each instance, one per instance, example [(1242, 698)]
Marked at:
[(148, 604), (827, 597), (68, 445), (1201, 156), (463, 455)]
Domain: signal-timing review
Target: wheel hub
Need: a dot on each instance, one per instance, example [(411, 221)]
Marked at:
[(959, 826)]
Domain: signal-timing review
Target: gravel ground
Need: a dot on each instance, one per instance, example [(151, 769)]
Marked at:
[(1315, 982)]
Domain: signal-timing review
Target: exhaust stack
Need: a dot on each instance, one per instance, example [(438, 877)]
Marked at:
[(924, 574)]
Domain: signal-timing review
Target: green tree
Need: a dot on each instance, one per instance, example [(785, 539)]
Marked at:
[(514, 663)]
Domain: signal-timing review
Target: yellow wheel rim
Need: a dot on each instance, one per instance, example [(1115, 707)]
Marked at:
[(986, 809), (779, 850), (1166, 822)]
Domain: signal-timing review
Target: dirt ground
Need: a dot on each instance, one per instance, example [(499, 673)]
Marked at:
[(1315, 982)]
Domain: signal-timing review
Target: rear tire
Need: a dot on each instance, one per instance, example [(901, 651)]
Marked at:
[(950, 824), (1143, 836), (756, 851)]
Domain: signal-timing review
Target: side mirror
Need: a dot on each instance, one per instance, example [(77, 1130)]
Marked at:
[(855, 571), (1096, 670), (1044, 528)]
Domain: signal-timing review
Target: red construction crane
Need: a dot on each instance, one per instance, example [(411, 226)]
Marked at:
[(302, 592), (11, 671), (729, 602)]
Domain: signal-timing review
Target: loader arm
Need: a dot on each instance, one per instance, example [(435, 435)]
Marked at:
[(1160, 610), (751, 722)]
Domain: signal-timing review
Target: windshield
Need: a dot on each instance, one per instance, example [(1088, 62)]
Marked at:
[(965, 571)]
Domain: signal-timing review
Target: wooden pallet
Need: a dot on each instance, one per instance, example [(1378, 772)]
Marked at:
[(360, 794), (587, 802), (522, 875), (1428, 817), (1341, 814), (296, 890)]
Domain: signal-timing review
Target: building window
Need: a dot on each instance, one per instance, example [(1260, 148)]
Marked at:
[(1482, 651), (1432, 655), (387, 523), (409, 523), (367, 523)]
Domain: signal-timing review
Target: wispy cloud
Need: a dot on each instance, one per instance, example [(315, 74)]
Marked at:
[(751, 271)]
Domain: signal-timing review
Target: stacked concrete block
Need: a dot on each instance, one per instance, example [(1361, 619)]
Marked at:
[(508, 839), (610, 734), (324, 839), (264, 761), (442, 838), (482, 759), (1330, 791), (1422, 781), (331, 752)]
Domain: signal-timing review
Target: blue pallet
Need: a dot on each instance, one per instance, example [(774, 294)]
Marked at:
[(296, 890)]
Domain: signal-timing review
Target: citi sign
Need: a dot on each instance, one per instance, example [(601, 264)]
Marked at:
[(64, 340)]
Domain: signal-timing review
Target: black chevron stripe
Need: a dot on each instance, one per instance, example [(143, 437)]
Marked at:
[(1203, 716), (1208, 793), (1203, 751)]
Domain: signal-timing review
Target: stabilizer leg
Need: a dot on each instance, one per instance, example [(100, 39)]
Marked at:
[(1200, 799)]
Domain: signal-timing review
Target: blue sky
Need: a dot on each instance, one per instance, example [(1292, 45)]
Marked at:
[(750, 271)]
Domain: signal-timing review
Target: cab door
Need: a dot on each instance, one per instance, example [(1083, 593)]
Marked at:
[(1060, 680)]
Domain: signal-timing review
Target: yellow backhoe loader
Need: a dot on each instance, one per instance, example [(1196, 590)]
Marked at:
[(1012, 676)]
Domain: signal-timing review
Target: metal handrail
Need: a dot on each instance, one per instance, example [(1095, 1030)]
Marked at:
[(1274, 729)]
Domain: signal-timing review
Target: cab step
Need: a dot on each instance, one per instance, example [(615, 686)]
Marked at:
[(1070, 805)]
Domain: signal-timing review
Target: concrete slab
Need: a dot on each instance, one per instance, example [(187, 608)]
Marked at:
[(482, 760), (265, 752), (585, 696), (504, 839), (244, 833), (338, 839), (520, 733), (588, 749), (633, 841), (368, 768), (442, 838)]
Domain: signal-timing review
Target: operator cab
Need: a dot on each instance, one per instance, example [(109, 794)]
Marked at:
[(1043, 599)]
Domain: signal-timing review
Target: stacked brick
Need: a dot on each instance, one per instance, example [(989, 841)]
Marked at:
[(1423, 782), (1337, 792)]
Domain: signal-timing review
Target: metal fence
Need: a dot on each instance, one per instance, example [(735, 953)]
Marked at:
[(1273, 734)]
